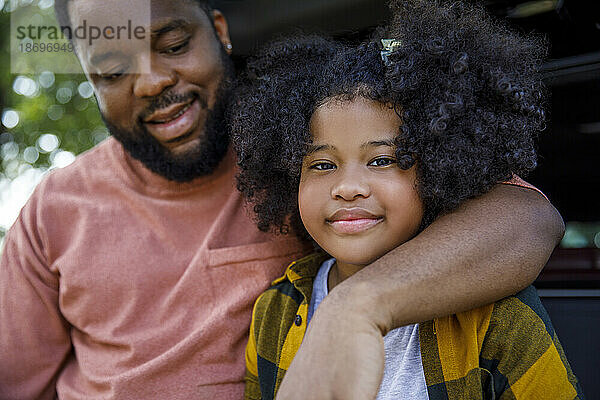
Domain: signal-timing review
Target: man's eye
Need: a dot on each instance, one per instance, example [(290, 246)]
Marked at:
[(177, 48), (322, 166), (111, 76), (382, 162)]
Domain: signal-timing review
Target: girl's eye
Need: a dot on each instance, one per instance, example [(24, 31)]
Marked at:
[(382, 162), (322, 166)]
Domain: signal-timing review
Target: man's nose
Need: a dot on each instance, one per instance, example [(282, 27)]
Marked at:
[(155, 82), (350, 185)]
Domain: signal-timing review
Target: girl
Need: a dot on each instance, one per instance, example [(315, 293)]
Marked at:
[(360, 148)]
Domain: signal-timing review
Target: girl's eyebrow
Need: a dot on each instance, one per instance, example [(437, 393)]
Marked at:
[(377, 143), (314, 148)]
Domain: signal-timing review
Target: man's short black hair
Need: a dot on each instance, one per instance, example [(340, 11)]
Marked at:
[(61, 10)]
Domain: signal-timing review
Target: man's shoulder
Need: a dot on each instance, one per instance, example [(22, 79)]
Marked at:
[(91, 173), (62, 191), (93, 162), (90, 170)]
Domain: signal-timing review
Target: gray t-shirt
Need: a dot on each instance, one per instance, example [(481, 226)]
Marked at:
[(403, 377)]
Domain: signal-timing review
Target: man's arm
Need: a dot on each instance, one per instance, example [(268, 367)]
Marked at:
[(490, 247), (34, 337)]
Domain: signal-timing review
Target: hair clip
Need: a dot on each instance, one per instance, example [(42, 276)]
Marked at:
[(389, 46)]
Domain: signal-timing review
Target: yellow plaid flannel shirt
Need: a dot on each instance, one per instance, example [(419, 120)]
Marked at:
[(505, 350)]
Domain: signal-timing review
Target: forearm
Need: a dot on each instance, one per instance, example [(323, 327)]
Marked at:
[(489, 248)]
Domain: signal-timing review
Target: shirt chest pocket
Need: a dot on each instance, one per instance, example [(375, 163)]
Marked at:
[(242, 273)]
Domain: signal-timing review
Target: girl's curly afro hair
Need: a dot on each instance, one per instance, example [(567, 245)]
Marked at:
[(465, 85)]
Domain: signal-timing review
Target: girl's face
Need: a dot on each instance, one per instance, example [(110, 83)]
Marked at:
[(354, 199)]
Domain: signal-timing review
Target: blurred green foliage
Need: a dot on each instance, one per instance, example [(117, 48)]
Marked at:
[(60, 106), (43, 117)]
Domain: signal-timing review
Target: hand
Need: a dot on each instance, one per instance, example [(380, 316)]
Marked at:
[(341, 356)]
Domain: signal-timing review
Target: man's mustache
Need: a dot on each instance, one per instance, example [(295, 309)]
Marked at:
[(167, 98)]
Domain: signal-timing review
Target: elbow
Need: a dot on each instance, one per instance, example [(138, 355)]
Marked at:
[(546, 229), (539, 219), (551, 222)]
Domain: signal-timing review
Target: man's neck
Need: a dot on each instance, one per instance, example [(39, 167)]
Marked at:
[(155, 182)]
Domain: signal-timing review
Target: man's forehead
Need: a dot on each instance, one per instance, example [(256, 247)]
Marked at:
[(109, 12), (121, 30), (190, 8), (148, 11)]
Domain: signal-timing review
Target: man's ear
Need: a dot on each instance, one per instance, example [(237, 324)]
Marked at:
[(222, 29)]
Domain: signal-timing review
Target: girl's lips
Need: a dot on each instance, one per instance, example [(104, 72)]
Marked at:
[(349, 226), (184, 121), (353, 220)]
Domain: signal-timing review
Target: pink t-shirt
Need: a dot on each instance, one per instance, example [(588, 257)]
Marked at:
[(116, 283)]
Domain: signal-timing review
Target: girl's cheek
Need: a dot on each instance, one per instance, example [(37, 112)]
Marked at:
[(310, 201), (302, 195)]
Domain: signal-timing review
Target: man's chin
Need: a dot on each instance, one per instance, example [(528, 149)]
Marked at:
[(190, 161), (185, 148), (183, 163)]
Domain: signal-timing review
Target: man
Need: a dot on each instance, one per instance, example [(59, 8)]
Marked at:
[(132, 272)]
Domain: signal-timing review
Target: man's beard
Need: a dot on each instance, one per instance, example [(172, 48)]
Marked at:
[(204, 158)]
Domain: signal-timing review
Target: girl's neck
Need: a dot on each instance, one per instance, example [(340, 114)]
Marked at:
[(341, 271)]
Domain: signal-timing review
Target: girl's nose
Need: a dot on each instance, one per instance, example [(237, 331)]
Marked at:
[(350, 185)]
